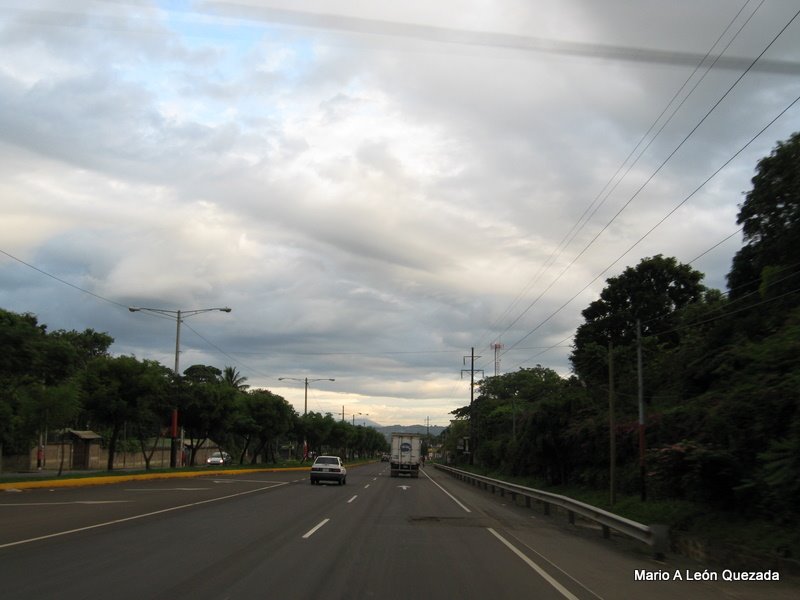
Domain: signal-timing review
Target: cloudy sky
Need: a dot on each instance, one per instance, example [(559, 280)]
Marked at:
[(374, 188)]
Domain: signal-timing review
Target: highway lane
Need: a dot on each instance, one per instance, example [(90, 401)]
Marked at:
[(397, 538), (274, 535), (31, 513), (377, 537)]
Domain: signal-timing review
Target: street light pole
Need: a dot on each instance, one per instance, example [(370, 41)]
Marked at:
[(178, 315), (177, 342), (306, 381), (361, 414)]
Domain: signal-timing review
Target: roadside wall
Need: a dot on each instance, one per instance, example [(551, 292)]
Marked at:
[(97, 459)]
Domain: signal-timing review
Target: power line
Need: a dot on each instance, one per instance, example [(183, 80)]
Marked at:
[(118, 304), (346, 353), (728, 313), (221, 351), (72, 285), (661, 166), (669, 214), (715, 246), (606, 192)]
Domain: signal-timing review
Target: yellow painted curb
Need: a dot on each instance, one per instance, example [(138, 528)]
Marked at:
[(108, 479)]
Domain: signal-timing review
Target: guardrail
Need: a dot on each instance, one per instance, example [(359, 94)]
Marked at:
[(655, 536)]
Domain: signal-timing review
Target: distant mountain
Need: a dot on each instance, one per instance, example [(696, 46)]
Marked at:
[(434, 430)]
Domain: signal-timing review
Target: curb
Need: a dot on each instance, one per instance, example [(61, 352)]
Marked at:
[(109, 479)]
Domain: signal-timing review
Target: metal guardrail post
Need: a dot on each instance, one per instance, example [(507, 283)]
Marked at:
[(660, 540)]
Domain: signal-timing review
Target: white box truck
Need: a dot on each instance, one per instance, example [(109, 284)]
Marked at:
[(405, 455)]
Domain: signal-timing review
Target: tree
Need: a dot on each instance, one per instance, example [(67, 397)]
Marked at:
[(770, 219), (37, 391), (152, 409), (115, 390), (89, 344), (51, 407), (653, 293), (21, 339), (315, 429), (233, 378), (268, 418), (207, 405), (198, 374)]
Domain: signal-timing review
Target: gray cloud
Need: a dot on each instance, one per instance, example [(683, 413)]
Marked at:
[(372, 198)]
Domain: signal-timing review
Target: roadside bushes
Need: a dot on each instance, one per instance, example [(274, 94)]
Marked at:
[(694, 471)]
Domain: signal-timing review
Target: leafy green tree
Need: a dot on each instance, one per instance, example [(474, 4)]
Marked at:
[(37, 391), (454, 435), (273, 416), (339, 436), (780, 464), (114, 391), (655, 293), (153, 408), (200, 374), (770, 219), (207, 406), (245, 422), (232, 377), (519, 421), (21, 338), (48, 408), (652, 292), (316, 430), (89, 344)]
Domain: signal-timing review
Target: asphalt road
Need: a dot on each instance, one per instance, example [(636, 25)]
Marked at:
[(272, 535)]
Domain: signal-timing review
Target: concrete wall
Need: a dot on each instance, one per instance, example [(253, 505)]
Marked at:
[(98, 458)]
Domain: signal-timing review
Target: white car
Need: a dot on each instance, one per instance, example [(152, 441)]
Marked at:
[(328, 468), (219, 458)]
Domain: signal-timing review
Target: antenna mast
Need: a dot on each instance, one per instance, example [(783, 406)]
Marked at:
[(497, 346)]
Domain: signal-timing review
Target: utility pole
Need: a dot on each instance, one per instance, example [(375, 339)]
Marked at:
[(612, 427), (642, 471), (471, 372), (306, 381)]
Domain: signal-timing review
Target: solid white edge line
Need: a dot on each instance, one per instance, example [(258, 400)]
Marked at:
[(314, 530), (133, 518), (560, 588), (353, 498), (453, 498)]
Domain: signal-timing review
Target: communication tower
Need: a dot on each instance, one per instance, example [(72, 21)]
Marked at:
[(497, 346)]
